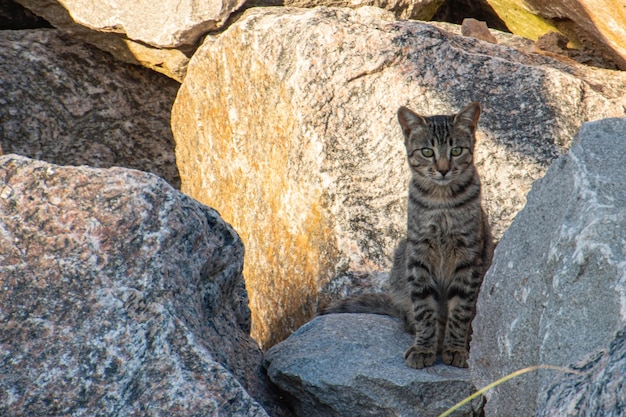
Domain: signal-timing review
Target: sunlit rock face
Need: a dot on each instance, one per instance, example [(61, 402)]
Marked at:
[(286, 124)]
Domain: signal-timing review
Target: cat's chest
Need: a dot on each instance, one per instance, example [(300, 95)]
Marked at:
[(440, 225)]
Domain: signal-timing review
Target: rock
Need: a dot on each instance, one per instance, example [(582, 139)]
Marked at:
[(295, 139), (167, 24), (599, 389), (556, 290), (120, 296), (477, 29), (159, 35), (402, 9), (455, 11), (68, 103), (598, 27), (352, 365)]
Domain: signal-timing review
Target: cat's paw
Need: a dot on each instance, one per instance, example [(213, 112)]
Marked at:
[(418, 358), (455, 357)]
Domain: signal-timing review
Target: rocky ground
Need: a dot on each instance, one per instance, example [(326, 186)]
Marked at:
[(126, 128)]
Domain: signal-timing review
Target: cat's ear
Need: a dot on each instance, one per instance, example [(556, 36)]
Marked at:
[(409, 120), (468, 117)]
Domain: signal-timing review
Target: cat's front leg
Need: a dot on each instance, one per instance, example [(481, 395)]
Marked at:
[(461, 306), (423, 352)]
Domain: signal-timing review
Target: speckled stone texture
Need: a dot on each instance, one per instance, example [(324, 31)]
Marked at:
[(291, 113), (402, 9), (119, 296), (352, 365), (69, 103), (600, 389), (556, 290)]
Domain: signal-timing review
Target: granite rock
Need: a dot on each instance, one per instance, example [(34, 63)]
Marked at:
[(120, 296), (159, 35), (286, 123), (556, 290), (166, 24), (597, 390), (69, 103), (402, 9), (352, 365)]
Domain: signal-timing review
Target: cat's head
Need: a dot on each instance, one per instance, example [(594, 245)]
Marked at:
[(440, 149)]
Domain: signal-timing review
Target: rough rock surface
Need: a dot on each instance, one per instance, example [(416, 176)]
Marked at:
[(159, 35), (402, 9), (352, 365), (69, 103), (299, 128), (597, 26), (556, 290), (599, 391), (166, 24), (120, 296)]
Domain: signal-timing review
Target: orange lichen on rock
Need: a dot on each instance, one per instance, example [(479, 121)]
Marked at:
[(279, 219)]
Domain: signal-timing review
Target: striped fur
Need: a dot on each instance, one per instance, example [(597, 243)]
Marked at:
[(439, 267)]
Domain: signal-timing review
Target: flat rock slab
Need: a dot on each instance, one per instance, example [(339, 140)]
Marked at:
[(352, 365)]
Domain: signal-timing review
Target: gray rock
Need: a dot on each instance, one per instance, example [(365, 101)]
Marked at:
[(599, 390), (352, 365), (556, 290), (69, 103), (299, 127), (120, 296)]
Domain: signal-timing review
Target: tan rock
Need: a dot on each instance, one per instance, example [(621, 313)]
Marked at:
[(402, 9), (159, 35), (165, 24), (291, 134), (597, 26)]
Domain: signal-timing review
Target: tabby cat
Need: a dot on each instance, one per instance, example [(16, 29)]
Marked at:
[(438, 269)]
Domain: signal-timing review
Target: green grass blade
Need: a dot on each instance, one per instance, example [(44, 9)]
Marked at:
[(502, 380)]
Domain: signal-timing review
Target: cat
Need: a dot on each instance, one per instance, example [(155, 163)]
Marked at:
[(438, 269)]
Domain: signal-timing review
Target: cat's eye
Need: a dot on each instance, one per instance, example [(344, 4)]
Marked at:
[(427, 152), (456, 151)]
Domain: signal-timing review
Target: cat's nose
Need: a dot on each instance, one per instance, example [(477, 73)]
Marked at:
[(443, 172)]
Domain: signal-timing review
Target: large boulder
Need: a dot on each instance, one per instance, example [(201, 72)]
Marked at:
[(596, 26), (160, 35), (294, 138), (352, 365), (556, 290), (120, 296), (69, 103), (286, 123)]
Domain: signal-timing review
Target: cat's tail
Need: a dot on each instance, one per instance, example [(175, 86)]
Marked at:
[(367, 303)]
